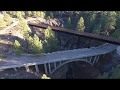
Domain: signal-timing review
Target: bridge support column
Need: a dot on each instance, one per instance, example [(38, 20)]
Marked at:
[(45, 66), (60, 63), (97, 59), (49, 68), (27, 68), (94, 60), (103, 55), (37, 69), (15, 69), (90, 58), (55, 64)]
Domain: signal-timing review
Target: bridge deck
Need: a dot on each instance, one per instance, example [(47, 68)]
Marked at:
[(20, 61)]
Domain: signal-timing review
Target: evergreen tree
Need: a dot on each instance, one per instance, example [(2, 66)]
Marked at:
[(17, 48), (34, 13), (30, 44), (2, 23), (117, 31), (19, 15), (49, 14), (89, 17), (42, 14), (35, 45), (29, 13), (7, 19), (38, 47), (38, 14), (50, 42), (108, 21), (24, 28), (80, 25), (68, 23)]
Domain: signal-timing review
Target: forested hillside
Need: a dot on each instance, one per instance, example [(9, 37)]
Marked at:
[(17, 38)]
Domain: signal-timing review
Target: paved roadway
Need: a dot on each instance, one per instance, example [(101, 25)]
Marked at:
[(19, 61)]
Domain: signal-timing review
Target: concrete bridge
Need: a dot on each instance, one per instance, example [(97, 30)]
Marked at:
[(52, 61)]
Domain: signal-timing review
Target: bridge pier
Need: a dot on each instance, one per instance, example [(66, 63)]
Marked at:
[(15, 69), (97, 58), (94, 59), (49, 67), (60, 63), (37, 69), (45, 66), (55, 64), (103, 55), (91, 58), (27, 68)]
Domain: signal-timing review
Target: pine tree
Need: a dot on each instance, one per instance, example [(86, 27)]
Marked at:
[(30, 44), (89, 17), (24, 28), (68, 24), (38, 14), (17, 48), (50, 42), (35, 45), (34, 13), (19, 15), (80, 25), (29, 13), (116, 33), (108, 21), (2, 23), (38, 47), (7, 19)]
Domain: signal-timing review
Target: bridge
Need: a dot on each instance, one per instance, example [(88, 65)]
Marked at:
[(103, 38), (52, 61)]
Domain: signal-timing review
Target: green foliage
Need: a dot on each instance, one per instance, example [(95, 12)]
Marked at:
[(45, 77), (115, 74), (35, 45), (7, 19), (50, 42), (49, 14), (19, 15), (104, 76), (24, 28), (68, 23), (17, 48), (34, 13), (42, 14), (116, 34), (2, 23), (29, 13), (80, 25)]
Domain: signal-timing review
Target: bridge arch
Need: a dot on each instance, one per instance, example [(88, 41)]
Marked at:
[(69, 61)]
